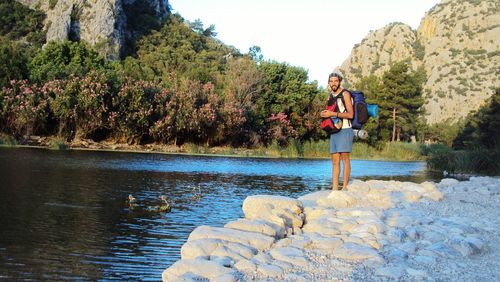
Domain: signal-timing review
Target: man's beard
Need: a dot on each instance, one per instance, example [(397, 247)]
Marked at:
[(334, 88)]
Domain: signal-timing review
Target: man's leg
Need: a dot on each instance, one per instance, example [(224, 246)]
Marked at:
[(335, 171), (347, 169)]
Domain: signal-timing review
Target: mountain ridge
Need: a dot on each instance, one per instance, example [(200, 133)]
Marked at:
[(457, 43)]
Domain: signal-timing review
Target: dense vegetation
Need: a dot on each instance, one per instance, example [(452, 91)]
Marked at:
[(180, 85), (477, 146)]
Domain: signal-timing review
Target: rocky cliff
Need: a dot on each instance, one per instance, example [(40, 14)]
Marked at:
[(457, 42), (105, 24)]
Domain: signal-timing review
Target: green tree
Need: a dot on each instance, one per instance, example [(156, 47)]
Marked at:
[(482, 128), (176, 48), (13, 66), (60, 60), (401, 100), (286, 91), (18, 21), (242, 82)]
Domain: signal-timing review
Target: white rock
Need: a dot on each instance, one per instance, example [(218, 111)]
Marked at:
[(262, 258), (467, 246), (324, 243), (199, 267), (339, 199), (396, 235), (417, 274), (253, 204), (322, 226), (285, 266), (392, 272), (442, 249), (294, 277), (222, 260), (408, 247), (245, 265), (224, 278), (360, 212), (412, 196), (425, 260), (447, 182), (252, 239), (359, 186), (351, 251), (268, 270), (310, 200), (259, 226)]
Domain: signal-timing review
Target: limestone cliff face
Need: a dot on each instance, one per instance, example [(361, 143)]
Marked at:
[(102, 23), (457, 42), (378, 50)]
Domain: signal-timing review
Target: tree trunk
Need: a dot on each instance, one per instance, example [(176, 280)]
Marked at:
[(394, 124), (398, 134)]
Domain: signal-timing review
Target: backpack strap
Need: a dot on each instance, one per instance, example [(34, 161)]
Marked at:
[(341, 96)]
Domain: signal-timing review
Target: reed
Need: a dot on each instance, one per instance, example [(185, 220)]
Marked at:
[(58, 143), (7, 140), (479, 161)]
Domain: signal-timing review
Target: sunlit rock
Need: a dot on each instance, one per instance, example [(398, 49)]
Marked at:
[(252, 239)]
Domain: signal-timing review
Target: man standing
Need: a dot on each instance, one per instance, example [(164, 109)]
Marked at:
[(340, 142)]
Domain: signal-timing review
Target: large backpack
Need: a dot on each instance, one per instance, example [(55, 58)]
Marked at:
[(360, 109), (331, 125)]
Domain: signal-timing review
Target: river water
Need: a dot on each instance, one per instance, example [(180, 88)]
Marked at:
[(64, 216)]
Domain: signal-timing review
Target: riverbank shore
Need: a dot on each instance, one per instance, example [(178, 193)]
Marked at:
[(377, 231), (294, 150)]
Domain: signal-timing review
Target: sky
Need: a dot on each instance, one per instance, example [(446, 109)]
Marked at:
[(317, 35)]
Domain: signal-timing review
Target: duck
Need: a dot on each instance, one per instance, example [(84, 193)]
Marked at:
[(164, 207), (132, 202), (196, 193), (131, 199)]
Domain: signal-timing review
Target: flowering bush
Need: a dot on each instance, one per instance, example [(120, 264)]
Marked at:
[(23, 108), (134, 109), (281, 129), (81, 105)]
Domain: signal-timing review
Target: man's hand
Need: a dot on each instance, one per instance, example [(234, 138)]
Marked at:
[(326, 114)]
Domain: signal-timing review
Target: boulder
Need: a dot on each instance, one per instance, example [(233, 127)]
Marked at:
[(355, 252), (199, 267), (259, 226), (252, 239)]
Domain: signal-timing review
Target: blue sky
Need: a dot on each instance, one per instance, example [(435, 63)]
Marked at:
[(317, 35)]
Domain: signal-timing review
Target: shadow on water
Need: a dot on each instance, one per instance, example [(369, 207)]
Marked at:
[(64, 213)]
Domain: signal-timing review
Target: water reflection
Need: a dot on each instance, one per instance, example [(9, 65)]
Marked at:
[(64, 214)]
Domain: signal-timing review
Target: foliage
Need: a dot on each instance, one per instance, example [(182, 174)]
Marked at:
[(18, 21), (287, 91), (482, 128), (444, 132), (133, 110), (176, 48), (23, 108), (60, 60), (141, 20), (80, 105), (13, 65), (482, 161), (399, 94), (418, 49)]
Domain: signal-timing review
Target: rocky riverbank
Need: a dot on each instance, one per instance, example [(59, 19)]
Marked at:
[(378, 230)]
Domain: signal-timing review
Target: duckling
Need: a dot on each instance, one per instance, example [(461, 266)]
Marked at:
[(164, 207), (132, 202), (196, 193), (131, 199)]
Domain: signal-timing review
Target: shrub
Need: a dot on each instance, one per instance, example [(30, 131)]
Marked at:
[(133, 110), (24, 108)]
